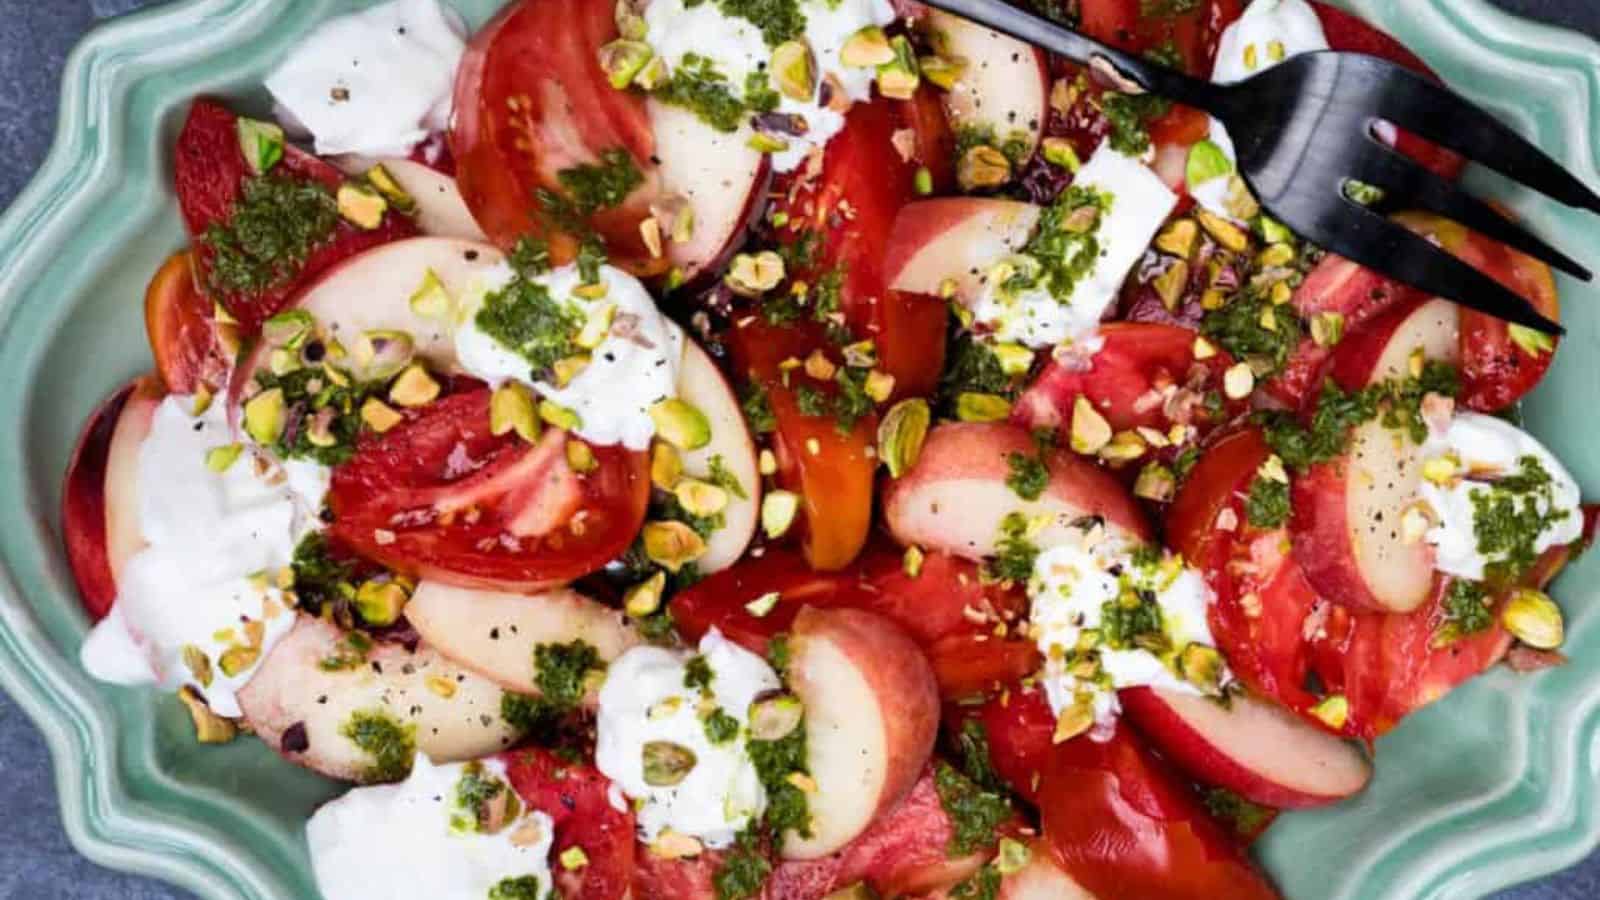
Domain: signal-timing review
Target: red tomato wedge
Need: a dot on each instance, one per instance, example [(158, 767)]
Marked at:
[(1120, 822), (183, 337), (846, 211), (1145, 375), (210, 172), (832, 471), (575, 797), (440, 497), (1138, 26), (531, 102), (946, 608)]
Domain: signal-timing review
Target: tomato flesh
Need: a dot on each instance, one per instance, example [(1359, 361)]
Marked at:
[(441, 497), (575, 797), (183, 338), (532, 101), (210, 172)]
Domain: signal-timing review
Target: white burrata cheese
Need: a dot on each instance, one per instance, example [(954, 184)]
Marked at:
[(214, 544), (399, 841), (1485, 448), (374, 82), (1269, 32), (1139, 203), (1071, 584), (632, 369), (645, 700), (735, 48)]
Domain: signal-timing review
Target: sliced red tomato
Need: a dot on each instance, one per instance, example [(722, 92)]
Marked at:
[(684, 878), (1354, 35), (177, 318), (210, 171), (531, 102), (576, 798), (831, 470), (1145, 375), (1120, 822), (1496, 370), (439, 496), (1139, 26), (946, 608), (845, 212)]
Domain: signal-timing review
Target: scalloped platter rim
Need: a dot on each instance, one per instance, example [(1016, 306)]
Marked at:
[(1492, 786)]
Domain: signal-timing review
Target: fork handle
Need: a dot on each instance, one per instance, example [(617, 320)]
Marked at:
[(1040, 32)]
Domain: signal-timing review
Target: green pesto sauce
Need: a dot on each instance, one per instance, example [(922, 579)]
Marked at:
[(1014, 146), (779, 20), (775, 761), (319, 578), (474, 792), (1267, 504), (1236, 327), (1130, 116), (311, 391), (757, 409), (1467, 611), (697, 674), (1065, 256), (721, 727), (975, 813), (1244, 817), (391, 746), (697, 85), (983, 885), (719, 475), (1508, 516), (274, 226), (1014, 552), (526, 320), (561, 671), (525, 887), (1397, 403), (1029, 476), (745, 867)]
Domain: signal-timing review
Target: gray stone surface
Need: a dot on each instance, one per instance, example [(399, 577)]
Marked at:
[(36, 862)]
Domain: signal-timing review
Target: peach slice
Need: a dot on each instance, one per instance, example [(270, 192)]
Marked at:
[(955, 497), (954, 239), (872, 714), (495, 634), (1004, 87), (1253, 747), (702, 384), (719, 176)]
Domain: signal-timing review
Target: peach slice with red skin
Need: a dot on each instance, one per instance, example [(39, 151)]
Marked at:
[(955, 498), (1004, 87), (954, 240), (872, 714)]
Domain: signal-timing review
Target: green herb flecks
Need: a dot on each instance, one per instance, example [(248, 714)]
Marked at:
[(1267, 504), (1014, 551), (1398, 402), (775, 761), (1066, 243), (757, 409), (274, 226), (562, 671), (1130, 116), (719, 475), (526, 320), (1510, 514), (523, 887), (972, 742), (390, 745), (975, 813), (983, 885), (311, 395), (721, 727), (745, 866), (1238, 328), (1468, 610), (1029, 476), (1245, 818), (697, 85)]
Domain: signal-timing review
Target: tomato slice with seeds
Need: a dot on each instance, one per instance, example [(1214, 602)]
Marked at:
[(531, 102), (576, 798), (440, 497), (210, 173), (183, 337), (1190, 30)]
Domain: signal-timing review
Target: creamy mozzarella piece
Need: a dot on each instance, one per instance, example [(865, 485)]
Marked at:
[(645, 700), (633, 368), (1485, 448), (1139, 204), (205, 579), (1269, 32), (375, 82), (736, 49), (1072, 583), (398, 842)]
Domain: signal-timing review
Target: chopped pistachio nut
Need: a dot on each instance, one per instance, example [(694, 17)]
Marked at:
[(898, 79), (654, 74), (1201, 666), (943, 71), (681, 424), (700, 498), (775, 716), (982, 167), (568, 368), (265, 415), (763, 605), (666, 763), (511, 409), (361, 206), (672, 545), (818, 366), (1179, 238), (867, 48), (573, 858), (922, 181), (235, 660), (1013, 856), (1124, 446), (1059, 152), (1222, 231), (430, 300), (778, 512), (209, 728), (623, 59), (289, 328), (767, 462), (753, 274), (901, 434), (878, 385), (262, 144), (415, 387), (1090, 430), (1204, 349), (1169, 285), (1014, 359), (382, 354), (1155, 482), (673, 845), (1238, 381), (596, 326), (1534, 619), (1333, 710), (644, 598), (1073, 721), (580, 457), (558, 416), (379, 416), (911, 562), (666, 467), (1327, 328), (794, 70), (221, 459), (382, 179), (380, 601), (198, 664), (1442, 470), (974, 407), (1532, 341), (762, 142)]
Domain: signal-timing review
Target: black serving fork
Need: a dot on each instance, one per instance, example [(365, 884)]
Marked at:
[(1306, 134)]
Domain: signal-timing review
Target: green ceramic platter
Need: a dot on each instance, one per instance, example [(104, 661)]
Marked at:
[(1494, 785)]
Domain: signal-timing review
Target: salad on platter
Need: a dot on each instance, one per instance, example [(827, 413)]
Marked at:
[(801, 449)]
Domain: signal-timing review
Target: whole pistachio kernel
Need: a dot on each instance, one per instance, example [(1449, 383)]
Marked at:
[(681, 424), (361, 206), (867, 48), (794, 70), (262, 144), (901, 434), (415, 387), (265, 415), (672, 545), (1534, 619), (943, 71), (380, 601), (982, 167), (644, 598), (778, 512), (753, 274), (209, 728), (511, 409), (381, 354), (666, 763), (622, 60), (775, 716), (700, 498)]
